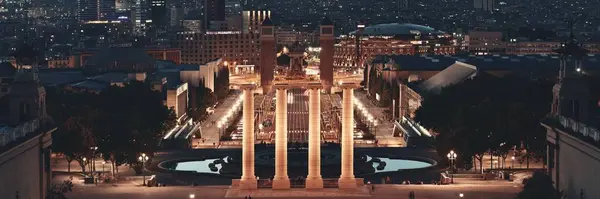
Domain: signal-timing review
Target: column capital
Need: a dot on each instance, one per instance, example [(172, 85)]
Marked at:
[(348, 85), (314, 86), (248, 86), (281, 86)]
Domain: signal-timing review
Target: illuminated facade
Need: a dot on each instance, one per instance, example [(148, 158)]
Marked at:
[(79, 58), (391, 39), (252, 19), (232, 46)]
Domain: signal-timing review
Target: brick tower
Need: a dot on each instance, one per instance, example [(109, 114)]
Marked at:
[(267, 54), (326, 68)]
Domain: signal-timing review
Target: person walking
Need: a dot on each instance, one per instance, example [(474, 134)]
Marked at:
[(411, 195), (373, 188)]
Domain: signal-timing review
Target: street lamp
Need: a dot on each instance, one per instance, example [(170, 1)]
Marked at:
[(461, 195), (452, 156), (103, 163), (93, 166), (192, 196), (84, 161), (143, 158), (513, 161), (219, 125)]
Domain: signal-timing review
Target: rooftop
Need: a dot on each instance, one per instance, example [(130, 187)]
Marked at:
[(392, 29), (538, 64), (7, 69)]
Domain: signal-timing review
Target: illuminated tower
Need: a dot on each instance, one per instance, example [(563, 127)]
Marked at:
[(267, 54), (326, 55)]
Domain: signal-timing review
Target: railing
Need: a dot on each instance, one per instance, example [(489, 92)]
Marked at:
[(585, 130), (8, 134)]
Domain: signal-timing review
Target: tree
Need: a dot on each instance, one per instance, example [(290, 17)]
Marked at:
[(74, 113), (222, 83), (133, 120), (538, 186), (204, 99), (489, 114)]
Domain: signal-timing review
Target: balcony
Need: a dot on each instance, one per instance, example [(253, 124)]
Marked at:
[(578, 127), (583, 132), (10, 134)]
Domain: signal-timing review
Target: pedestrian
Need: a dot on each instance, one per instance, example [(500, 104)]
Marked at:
[(373, 188), (411, 195)]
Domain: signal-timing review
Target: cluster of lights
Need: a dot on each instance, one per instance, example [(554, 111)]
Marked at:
[(223, 122), (363, 110)]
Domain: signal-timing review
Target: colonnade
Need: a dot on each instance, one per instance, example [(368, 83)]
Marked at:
[(281, 179)]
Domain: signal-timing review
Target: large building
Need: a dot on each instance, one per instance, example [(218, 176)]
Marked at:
[(573, 127), (214, 10), (7, 73), (158, 9), (232, 46), (484, 42), (391, 39), (487, 5), (25, 139), (494, 42), (141, 16), (92, 10), (252, 19)]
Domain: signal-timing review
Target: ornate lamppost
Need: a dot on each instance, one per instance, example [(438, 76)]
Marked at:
[(452, 156), (143, 158)]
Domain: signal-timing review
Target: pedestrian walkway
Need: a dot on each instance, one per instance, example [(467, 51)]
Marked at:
[(385, 129), (209, 130)]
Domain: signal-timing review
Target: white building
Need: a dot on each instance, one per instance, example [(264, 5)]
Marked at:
[(573, 128), (25, 139)]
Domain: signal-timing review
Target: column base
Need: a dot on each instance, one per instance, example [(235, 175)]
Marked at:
[(347, 183), (248, 184), (314, 183), (282, 183)]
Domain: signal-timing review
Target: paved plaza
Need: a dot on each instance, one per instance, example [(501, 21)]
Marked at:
[(491, 190)]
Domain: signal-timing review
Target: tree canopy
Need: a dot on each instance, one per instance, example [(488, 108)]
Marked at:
[(487, 114), (121, 121), (538, 186)]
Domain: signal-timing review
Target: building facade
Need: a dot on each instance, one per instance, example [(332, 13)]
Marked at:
[(214, 10), (232, 46), (252, 19), (573, 135), (484, 42), (25, 140), (391, 39)]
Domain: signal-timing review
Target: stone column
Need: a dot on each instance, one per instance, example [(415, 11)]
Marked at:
[(347, 180), (281, 179), (248, 180), (314, 179)]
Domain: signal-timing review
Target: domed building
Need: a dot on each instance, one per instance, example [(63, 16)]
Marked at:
[(391, 39)]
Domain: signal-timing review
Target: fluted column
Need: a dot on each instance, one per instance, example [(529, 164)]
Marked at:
[(281, 179), (347, 180), (248, 180), (314, 179)]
